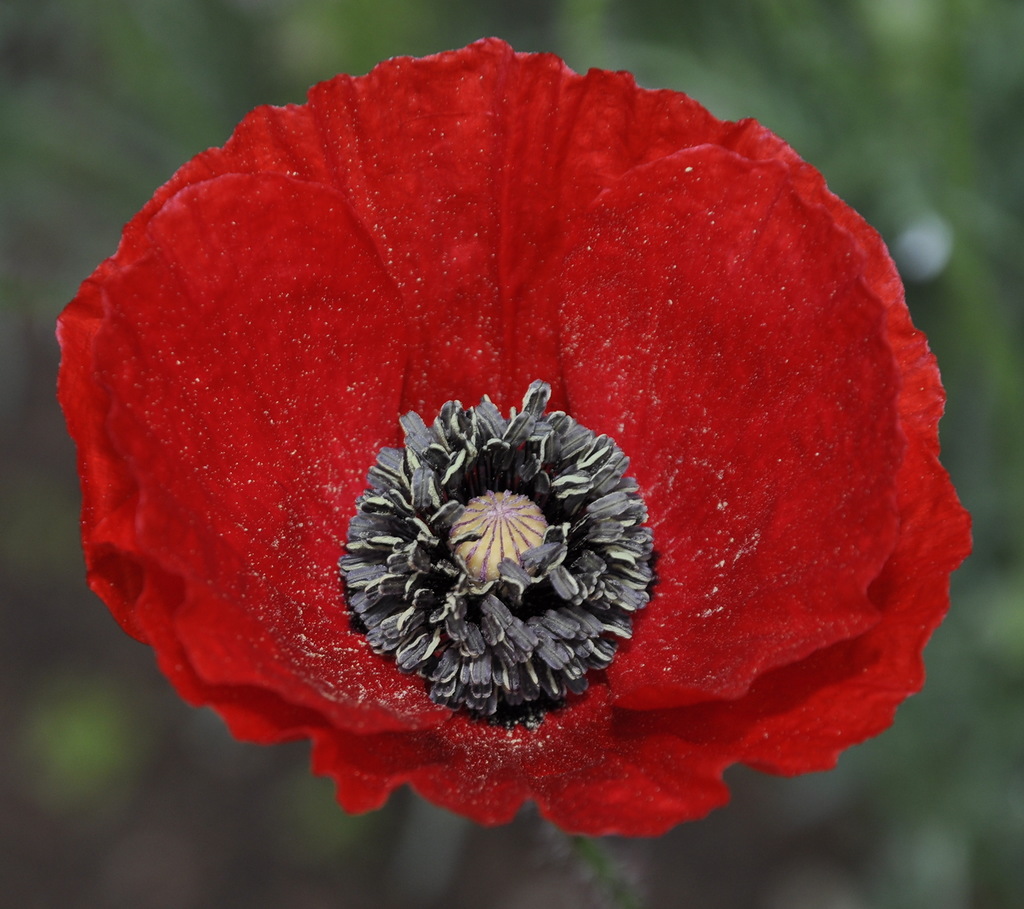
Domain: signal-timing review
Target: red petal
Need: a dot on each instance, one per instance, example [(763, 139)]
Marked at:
[(718, 327), (249, 437), (588, 771), (466, 168), (801, 717), (107, 488)]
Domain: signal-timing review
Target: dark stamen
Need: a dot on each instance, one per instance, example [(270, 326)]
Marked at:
[(500, 559)]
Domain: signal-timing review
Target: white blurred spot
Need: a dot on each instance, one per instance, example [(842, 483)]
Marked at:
[(923, 249)]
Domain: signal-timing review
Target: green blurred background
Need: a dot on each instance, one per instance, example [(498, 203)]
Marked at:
[(115, 794)]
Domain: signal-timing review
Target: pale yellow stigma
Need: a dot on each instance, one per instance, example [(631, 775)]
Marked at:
[(500, 525)]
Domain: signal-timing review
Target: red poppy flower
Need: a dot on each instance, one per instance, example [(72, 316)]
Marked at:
[(464, 225)]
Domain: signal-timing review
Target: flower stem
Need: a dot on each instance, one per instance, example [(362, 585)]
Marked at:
[(607, 872)]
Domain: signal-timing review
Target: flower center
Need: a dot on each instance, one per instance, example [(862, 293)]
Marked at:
[(496, 526), (500, 559)]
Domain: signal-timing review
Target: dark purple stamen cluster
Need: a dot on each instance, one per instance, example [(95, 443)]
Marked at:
[(512, 648)]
